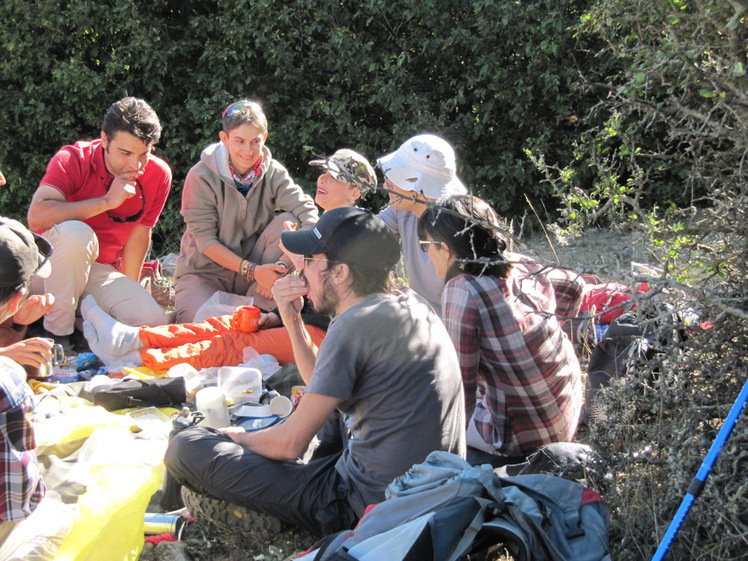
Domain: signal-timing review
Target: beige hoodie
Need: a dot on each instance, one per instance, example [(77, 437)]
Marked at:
[(215, 211)]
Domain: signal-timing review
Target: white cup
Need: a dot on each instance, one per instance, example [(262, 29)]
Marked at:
[(212, 403), (281, 406)]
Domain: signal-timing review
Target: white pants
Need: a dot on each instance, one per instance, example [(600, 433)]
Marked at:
[(75, 274)]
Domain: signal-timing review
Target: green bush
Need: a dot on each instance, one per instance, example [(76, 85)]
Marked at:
[(494, 78), (665, 152)]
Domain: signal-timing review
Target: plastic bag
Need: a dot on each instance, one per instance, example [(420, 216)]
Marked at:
[(221, 304), (62, 433), (124, 474), (266, 364)]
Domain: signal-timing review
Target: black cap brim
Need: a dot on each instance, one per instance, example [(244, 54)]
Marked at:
[(302, 242), (45, 251)]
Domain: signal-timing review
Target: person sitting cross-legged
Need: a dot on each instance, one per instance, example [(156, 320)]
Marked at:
[(97, 205), (387, 365), (347, 176), (235, 202)]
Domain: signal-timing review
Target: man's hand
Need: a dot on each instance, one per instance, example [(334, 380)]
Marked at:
[(269, 320), (237, 434), (36, 352), (34, 308), (289, 294), (266, 275), (122, 188)]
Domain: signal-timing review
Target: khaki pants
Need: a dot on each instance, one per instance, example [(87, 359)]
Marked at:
[(6, 529), (194, 289), (75, 274)]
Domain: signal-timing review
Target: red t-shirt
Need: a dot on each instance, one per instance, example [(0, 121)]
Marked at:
[(79, 173)]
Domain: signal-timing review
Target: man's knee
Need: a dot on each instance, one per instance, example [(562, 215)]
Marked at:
[(179, 451), (190, 452), (153, 315), (73, 236)]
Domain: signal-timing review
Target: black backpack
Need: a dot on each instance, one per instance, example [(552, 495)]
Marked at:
[(627, 346)]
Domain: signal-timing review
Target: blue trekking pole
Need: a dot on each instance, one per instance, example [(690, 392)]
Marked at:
[(700, 479)]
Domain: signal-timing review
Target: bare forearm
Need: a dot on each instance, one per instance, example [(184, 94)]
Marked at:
[(290, 439), (45, 214), (134, 252), (304, 349)]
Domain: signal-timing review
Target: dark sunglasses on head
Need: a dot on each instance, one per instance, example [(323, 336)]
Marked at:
[(234, 107)]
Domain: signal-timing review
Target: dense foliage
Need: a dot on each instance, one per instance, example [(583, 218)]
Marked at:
[(492, 77), (631, 114), (672, 120)]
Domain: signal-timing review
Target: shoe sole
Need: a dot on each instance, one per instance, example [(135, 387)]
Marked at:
[(228, 515)]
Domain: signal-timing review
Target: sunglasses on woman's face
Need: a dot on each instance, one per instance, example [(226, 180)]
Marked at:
[(426, 243)]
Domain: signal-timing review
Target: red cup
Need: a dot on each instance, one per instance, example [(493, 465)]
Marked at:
[(246, 318)]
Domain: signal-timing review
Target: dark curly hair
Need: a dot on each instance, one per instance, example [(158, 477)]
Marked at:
[(133, 116)]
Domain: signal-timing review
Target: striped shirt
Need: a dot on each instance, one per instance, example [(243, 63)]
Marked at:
[(514, 355), (21, 485)]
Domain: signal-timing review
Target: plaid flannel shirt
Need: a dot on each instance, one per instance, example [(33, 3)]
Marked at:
[(514, 355), (21, 485)]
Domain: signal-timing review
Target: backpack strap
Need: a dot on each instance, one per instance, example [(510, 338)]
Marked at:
[(326, 545)]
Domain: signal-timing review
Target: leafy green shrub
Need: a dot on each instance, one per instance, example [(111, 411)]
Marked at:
[(664, 152), (493, 77)]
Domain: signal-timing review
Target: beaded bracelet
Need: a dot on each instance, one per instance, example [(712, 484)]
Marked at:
[(244, 269), (252, 272)]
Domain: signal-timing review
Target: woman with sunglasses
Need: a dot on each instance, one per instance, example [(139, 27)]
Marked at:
[(347, 177), (229, 203), (522, 379)]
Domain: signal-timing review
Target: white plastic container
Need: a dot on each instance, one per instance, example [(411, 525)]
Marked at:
[(212, 402), (240, 384)]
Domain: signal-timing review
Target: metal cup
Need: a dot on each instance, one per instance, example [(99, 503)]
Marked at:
[(46, 370)]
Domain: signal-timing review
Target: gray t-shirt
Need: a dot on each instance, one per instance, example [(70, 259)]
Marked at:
[(392, 364), (419, 268)]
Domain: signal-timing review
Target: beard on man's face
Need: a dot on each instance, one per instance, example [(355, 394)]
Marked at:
[(328, 299)]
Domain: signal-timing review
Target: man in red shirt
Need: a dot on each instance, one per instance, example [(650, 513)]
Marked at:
[(97, 204)]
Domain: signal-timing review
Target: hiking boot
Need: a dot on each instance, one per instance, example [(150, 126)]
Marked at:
[(228, 515)]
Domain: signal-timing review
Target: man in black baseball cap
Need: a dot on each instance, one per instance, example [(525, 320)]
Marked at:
[(386, 368), (23, 255)]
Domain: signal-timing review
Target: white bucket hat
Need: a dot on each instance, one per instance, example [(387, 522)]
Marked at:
[(424, 164)]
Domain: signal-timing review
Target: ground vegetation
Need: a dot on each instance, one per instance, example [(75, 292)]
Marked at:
[(628, 117)]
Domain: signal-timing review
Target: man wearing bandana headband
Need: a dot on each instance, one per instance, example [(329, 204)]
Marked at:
[(229, 204)]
